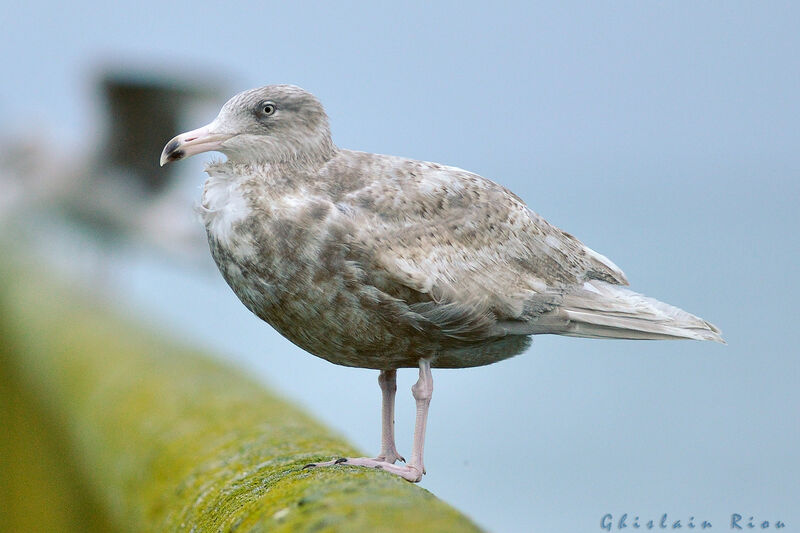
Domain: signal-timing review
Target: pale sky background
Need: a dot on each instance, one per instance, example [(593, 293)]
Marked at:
[(665, 135)]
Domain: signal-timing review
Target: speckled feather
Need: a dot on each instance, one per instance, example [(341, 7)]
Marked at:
[(377, 261)]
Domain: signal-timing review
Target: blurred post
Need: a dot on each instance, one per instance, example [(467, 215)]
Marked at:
[(143, 111), (122, 179), (108, 428)]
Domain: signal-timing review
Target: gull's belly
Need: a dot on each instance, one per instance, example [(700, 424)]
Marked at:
[(287, 263), (324, 313), (294, 270)]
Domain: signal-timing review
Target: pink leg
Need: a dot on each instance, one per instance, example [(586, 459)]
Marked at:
[(387, 380), (422, 391)]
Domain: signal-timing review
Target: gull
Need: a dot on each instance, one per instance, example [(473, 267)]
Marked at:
[(382, 262)]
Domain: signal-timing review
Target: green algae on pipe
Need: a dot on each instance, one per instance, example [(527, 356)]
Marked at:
[(169, 440)]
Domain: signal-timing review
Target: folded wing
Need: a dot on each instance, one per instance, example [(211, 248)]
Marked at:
[(469, 256)]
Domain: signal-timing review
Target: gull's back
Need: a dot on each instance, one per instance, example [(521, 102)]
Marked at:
[(469, 256)]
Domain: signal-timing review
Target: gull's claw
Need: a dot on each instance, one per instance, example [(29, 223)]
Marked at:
[(408, 472)]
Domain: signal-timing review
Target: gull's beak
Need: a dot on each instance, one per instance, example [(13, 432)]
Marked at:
[(193, 142)]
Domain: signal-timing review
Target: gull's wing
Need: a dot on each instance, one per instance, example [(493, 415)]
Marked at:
[(468, 256), (464, 240)]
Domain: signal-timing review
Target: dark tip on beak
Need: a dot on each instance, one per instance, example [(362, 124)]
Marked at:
[(175, 155), (172, 146), (172, 153)]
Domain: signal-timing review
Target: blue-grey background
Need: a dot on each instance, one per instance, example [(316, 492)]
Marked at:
[(663, 134)]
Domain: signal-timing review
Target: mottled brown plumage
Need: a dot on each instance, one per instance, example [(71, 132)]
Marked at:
[(382, 262)]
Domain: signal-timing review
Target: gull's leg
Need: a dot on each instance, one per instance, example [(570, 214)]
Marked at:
[(387, 380), (422, 391), (413, 471)]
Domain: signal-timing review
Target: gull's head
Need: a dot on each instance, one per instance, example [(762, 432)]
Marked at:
[(270, 124)]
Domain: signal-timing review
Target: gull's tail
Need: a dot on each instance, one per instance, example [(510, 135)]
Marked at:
[(604, 310)]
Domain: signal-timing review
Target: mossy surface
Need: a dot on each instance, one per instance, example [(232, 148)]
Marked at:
[(41, 489), (166, 439)]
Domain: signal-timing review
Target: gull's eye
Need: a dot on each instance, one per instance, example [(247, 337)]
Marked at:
[(266, 109)]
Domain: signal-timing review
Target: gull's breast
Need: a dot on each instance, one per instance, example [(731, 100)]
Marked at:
[(222, 208), (285, 255)]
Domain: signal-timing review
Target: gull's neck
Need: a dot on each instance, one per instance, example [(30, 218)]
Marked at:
[(284, 160)]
